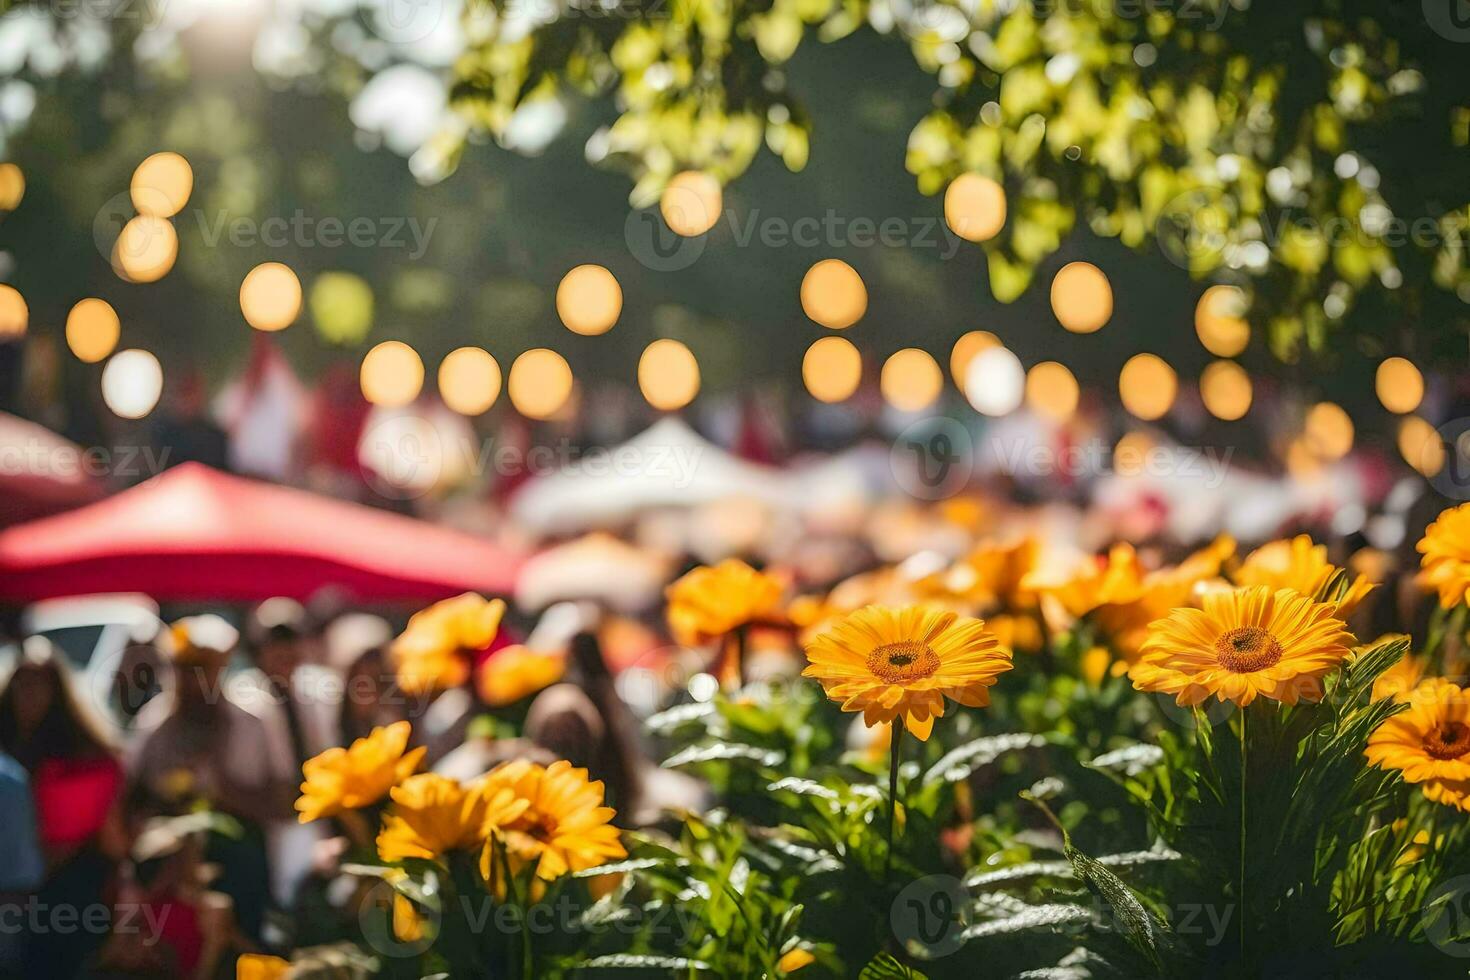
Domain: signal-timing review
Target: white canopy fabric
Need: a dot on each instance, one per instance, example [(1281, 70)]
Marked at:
[(666, 465), (597, 567)]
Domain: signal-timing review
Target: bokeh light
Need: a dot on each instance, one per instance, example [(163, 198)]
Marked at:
[(1226, 390), (270, 297), (1081, 297), (162, 185), (1147, 385), (1219, 320), (1421, 446), (911, 380), (15, 315), (540, 383), (12, 186), (964, 352), (1399, 384), (132, 383), (975, 207), (469, 380), (1051, 391), (392, 374), (341, 307), (146, 249), (1132, 452), (1328, 431), (833, 294), (691, 203), (589, 300), (668, 375), (995, 382), (92, 330), (831, 369)]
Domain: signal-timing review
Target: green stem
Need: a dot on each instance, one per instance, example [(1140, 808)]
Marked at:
[(1240, 888), (895, 749)]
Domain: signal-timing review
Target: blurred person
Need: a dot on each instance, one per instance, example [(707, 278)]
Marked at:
[(21, 865), (289, 691), (197, 747), (76, 782), (370, 697)]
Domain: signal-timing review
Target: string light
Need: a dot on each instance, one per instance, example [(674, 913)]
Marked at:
[(911, 380), (15, 315), (1147, 385), (132, 383), (831, 369), (1220, 323), (691, 203), (1421, 446), (469, 381), (1328, 431), (1399, 384), (975, 207), (1081, 297), (12, 186), (270, 297), (589, 300), (392, 374), (1226, 390), (833, 294), (995, 382), (92, 330), (540, 383), (146, 249), (162, 185), (668, 375), (964, 352), (1051, 391)]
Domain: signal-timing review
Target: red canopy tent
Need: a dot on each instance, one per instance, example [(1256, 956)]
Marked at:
[(40, 472), (195, 534)]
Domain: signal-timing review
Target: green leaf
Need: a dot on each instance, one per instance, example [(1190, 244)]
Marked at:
[(1035, 917), (959, 764), (725, 752), (885, 967), (629, 961)]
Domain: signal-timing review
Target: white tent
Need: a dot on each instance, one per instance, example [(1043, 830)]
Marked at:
[(666, 465)]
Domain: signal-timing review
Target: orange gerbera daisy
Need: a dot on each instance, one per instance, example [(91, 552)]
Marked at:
[(1301, 565), (515, 672), (433, 653), (562, 827), (1430, 742), (1446, 550), (359, 775), (709, 602), (433, 815), (1243, 643), (890, 663), (258, 966)]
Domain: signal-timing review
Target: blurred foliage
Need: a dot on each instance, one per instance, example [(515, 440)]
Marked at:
[(1307, 151)]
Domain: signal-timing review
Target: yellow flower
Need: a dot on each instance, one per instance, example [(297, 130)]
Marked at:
[(1021, 632), (1301, 565), (358, 776), (254, 966), (433, 652), (1243, 643), (562, 826), (1446, 550), (1430, 742), (890, 663), (995, 575), (795, 960), (514, 673), (433, 815), (709, 602)]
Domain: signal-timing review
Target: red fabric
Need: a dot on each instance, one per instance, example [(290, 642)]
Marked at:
[(73, 797), (40, 472), (195, 534)]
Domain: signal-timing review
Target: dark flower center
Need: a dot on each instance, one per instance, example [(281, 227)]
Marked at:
[(902, 662), (1247, 649), (1449, 741)]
